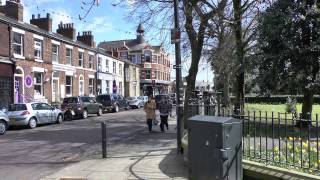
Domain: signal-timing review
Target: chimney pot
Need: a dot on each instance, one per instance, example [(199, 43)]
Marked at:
[(48, 15), (33, 16), (38, 16)]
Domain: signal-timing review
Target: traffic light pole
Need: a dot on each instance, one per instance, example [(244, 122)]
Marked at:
[(178, 76)]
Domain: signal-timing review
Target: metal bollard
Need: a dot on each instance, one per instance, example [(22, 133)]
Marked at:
[(104, 139)]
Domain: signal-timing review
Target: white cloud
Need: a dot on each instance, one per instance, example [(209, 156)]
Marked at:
[(59, 15), (38, 2), (99, 24)]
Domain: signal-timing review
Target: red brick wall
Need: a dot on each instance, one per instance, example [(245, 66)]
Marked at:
[(4, 40)]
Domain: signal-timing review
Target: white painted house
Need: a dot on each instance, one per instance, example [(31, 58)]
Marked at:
[(110, 74)]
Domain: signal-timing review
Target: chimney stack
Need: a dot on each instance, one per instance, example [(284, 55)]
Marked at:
[(44, 23), (67, 30), (13, 9), (86, 38)]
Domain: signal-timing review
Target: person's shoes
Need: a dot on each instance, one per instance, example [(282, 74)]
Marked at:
[(167, 128)]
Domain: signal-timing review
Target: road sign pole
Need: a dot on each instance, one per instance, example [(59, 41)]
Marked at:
[(178, 74)]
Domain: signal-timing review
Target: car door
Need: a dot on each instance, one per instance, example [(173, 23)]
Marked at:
[(121, 101), (39, 112), (49, 113), (86, 104), (94, 105)]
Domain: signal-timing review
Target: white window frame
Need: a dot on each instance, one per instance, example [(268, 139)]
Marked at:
[(91, 86), (120, 88), (69, 85), (38, 84), (107, 65), (107, 86), (69, 57), (99, 64), (38, 49), (91, 57), (114, 65), (17, 44), (81, 85), (55, 60), (120, 69), (80, 59)]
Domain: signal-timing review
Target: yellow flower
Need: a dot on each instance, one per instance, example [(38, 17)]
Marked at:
[(290, 139), (276, 149), (314, 149), (305, 145), (289, 146)]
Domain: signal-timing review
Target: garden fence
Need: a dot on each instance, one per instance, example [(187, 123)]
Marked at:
[(274, 138)]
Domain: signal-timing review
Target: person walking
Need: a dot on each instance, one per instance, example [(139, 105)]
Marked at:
[(165, 109), (150, 108)]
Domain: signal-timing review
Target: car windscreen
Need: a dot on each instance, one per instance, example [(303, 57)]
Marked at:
[(17, 107), (102, 98), (70, 100), (131, 98)]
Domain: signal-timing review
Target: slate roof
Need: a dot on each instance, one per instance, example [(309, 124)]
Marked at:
[(35, 29)]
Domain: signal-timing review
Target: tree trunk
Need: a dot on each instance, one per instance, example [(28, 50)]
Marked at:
[(306, 106), (239, 104), (226, 98)]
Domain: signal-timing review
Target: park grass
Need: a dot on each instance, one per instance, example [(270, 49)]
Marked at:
[(278, 108)]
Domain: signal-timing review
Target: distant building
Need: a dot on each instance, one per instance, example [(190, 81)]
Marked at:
[(154, 62), (131, 79), (45, 66)]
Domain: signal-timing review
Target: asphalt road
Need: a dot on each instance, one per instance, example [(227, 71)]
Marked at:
[(35, 153)]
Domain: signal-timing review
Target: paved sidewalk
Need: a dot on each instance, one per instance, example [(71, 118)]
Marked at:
[(143, 156)]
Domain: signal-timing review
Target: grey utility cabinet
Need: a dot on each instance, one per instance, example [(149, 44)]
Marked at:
[(214, 148)]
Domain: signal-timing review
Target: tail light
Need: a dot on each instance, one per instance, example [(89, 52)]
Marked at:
[(25, 113)]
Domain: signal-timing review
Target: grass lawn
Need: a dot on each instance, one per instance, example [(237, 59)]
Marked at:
[(278, 108)]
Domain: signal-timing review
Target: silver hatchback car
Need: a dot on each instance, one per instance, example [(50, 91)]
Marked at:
[(32, 114), (4, 122)]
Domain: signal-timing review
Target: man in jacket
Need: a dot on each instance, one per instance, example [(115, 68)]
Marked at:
[(150, 108), (165, 109)]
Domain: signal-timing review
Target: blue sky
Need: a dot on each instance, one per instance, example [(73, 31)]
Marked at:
[(107, 22)]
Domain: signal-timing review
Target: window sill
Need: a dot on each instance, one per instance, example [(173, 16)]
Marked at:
[(38, 60), (18, 56), (68, 95), (55, 62)]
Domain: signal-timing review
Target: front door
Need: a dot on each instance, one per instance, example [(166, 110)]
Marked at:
[(55, 90)]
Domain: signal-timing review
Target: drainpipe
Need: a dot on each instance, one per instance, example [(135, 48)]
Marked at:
[(10, 59)]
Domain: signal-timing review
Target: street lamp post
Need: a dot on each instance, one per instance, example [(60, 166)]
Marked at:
[(178, 74)]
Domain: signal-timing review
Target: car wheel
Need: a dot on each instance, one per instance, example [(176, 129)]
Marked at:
[(68, 116), (84, 114), (99, 112), (3, 127), (116, 108), (32, 123), (59, 119), (138, 106)]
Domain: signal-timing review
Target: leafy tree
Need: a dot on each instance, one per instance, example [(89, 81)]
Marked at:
[(289, 40)]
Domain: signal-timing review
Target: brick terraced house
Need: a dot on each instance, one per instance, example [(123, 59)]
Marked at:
[(45, 66), (154, 62)]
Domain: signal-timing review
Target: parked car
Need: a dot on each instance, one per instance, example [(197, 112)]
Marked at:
[(4, 122), (32, 114), (135, 102), (160, 97), (113, 102), (173, 98), (80, 106), (144, 99)]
